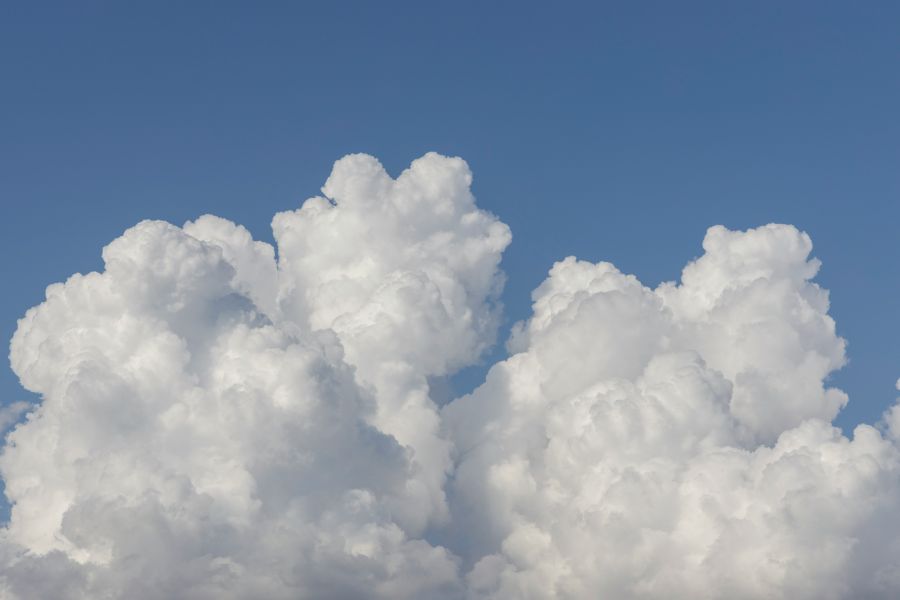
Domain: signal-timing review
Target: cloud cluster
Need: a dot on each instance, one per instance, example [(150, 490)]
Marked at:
[(675, 443), (221, 420)]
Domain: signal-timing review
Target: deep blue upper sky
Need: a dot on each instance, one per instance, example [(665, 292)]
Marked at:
[(615, 131)]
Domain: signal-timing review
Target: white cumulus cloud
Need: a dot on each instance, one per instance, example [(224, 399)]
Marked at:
[(676, 442), (221, 418)]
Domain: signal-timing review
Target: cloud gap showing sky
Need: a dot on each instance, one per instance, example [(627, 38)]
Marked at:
[(216, 422)]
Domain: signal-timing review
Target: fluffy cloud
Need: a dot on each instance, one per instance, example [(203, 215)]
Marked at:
[(676, 442), (219, 420), (218, 424)]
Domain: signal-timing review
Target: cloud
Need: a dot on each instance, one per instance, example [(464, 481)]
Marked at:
[(218, 424), (676, 442), (11, 413), (223, 420)]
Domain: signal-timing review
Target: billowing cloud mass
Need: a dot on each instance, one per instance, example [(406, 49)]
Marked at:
[(221, 419)]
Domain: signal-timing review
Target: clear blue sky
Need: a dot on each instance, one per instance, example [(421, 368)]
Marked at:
[(615, 131)]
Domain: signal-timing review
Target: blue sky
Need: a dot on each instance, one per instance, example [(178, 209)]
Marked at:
[(609, 131)]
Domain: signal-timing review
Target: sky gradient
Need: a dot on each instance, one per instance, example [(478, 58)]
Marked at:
[(607, 131)]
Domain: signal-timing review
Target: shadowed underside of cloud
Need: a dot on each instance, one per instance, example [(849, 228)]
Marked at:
[(221, 420)]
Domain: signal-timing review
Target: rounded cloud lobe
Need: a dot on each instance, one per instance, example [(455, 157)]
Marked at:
[(221, 420)]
